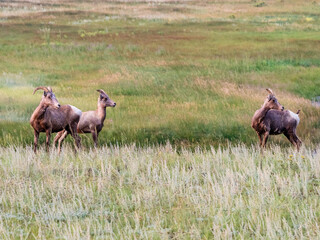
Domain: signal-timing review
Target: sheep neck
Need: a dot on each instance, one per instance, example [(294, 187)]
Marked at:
[(39, 112), (101, 112), (260, 115)]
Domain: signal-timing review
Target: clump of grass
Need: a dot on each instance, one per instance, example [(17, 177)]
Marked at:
[(46, 34), (161, 51), (82, 33), (131, 48), (260, 4)]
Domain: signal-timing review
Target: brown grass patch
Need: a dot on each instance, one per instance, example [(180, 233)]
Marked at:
[(110, 78)]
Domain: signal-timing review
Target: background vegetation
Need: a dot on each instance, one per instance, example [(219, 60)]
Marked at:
[(185, 71)]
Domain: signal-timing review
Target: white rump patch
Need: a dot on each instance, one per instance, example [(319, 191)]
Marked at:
[(76, 110), (295, 116)]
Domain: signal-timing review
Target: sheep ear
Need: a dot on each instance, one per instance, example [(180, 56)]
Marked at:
[(102, 92), (45, 93)]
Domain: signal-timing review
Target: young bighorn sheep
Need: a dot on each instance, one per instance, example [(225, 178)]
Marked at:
[(50, 117), (92, 121), (271, 119)]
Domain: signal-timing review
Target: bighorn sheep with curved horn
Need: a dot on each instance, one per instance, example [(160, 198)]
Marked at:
[(50, 117), (271, 119), (91, 121)]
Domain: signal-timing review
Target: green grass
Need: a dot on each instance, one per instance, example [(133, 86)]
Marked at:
[(159, 193), (173, 79)]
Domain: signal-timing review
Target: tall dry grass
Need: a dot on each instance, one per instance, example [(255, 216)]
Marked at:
[(159, 193)]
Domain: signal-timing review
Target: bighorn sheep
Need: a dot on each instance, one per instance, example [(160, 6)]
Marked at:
[(271, 119), (50, 117), (91, 121)]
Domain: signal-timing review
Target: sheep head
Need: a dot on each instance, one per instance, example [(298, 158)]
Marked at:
[(272, 102), (104, 100), (48, 98)]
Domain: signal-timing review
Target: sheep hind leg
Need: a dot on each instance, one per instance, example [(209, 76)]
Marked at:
[(297, 141), (291, 138), (58, 136), (76, 137), (62, 137)]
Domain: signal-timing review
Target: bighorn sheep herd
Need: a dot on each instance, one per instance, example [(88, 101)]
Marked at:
[(50, 117)]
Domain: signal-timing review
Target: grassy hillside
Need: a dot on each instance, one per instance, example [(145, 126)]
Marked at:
[(159, 193), (185, 71)]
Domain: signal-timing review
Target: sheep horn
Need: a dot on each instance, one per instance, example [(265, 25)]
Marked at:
[(50, 89), (43, 88), (270, 91), (102, 92)]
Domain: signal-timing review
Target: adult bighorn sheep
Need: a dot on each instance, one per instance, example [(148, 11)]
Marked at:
[(271, 119), (50, 117), (91, 121)]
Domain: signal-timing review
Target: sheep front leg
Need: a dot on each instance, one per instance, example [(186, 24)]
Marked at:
[(265, 139), (48, 135), (36, 138), (94, 137), (260, 139)]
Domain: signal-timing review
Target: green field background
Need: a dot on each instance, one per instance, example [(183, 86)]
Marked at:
[(189, 72)]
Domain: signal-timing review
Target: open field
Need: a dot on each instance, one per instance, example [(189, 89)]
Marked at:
[(185, 71), (158, 193), (177, 156)]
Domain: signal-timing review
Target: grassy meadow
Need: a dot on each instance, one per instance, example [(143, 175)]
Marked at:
[(177, 156), (188, 72)]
